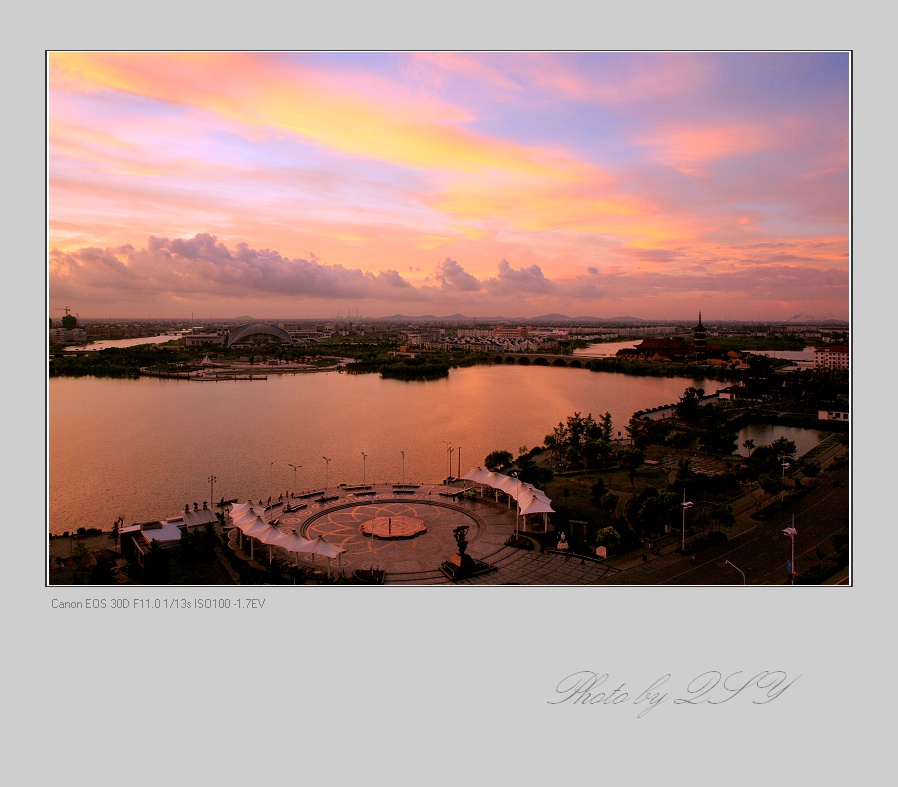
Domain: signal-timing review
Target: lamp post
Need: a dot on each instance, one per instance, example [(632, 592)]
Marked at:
[(449, 449), (403, 467), (327, 465), (270, 476), (295, 468), (685, 506), (727, 563), (792, 532), (364, 461), (212, 479), (784, 464)]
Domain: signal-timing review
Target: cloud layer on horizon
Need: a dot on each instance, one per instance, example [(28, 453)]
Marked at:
[(204, 271)]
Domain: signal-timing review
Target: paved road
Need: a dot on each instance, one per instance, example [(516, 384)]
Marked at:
[(762, 550)]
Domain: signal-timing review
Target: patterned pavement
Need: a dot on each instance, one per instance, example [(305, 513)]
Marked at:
[(416, 561), (340, 521)]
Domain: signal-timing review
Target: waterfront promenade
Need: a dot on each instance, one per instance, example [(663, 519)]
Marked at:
[(755, 544), (417, 560)]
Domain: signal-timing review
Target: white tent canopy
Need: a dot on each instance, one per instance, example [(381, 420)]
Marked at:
[(320, 547), (529, 499), (294, 543), (253, 521), (243, 508)]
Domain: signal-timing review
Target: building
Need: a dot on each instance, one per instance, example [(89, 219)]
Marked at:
[(833, 357), (833, 415), (137, 538), (700, 339), (257, 333), (504, 332), (67, 335), (197, 339)]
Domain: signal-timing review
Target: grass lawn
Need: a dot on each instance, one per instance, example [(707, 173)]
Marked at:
[(575, 492)]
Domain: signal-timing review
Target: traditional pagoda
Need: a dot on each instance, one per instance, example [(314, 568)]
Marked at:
[(700, 339)]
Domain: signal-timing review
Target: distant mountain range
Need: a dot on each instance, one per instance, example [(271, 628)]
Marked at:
[(543, 318)]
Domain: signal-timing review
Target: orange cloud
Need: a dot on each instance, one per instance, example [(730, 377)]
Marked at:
[(362, 116), (686, 147)]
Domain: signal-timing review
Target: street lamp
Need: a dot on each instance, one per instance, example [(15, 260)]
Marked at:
[(685, 506), (327, 465), (403, 467), (212, 479), (364, 460), (270, 477), (449, 449), (785, 464), (792, 532), (295, 468), (727, 563)]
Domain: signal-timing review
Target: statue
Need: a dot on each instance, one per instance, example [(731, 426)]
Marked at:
[(462, 565), (460, 533)]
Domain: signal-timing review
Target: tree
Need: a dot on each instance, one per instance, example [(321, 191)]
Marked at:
[(631, 460), (83, 564), (771, 484), (596, 453), (101, 573), (609, 503), (720, 441), (609, 538), (187, 549), (210, 538), (606, 427), (723, 515), (783, 447), (655, 509), (768, 458), (689, 406), (571, 436), (498, 460), (155, 563), (643, 432), (113, 536), (531, 473), (685, 473), (749, 445)]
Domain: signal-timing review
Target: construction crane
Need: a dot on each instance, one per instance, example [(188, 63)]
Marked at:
[(68, 321)]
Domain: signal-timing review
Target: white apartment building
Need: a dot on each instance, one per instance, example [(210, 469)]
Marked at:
[(833, 357)]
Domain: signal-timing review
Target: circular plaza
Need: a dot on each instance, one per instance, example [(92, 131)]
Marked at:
[(402, 535), (409, 534)]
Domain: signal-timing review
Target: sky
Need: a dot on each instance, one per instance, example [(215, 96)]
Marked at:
[(321, 184)]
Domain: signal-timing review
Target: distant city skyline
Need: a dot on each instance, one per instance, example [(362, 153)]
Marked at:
[(608, 184)]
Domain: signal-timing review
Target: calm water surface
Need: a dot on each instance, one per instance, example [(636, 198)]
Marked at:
[(105, 344), (605, 349), (143, 448)]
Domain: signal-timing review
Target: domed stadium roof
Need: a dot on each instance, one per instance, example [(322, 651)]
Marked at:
[(243, 332)]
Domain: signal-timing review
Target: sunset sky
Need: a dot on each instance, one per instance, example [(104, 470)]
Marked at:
[(291, 185)]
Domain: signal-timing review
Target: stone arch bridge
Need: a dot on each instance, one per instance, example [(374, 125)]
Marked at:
[(542, 359)]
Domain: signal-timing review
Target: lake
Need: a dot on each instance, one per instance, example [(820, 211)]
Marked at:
[(143, 448)]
